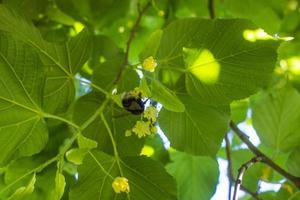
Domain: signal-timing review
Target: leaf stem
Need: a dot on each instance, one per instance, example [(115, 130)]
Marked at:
[(95, 115), (113, 143), (94, 86), (265, 159), (141, 12), (101, 167), (50, 116)]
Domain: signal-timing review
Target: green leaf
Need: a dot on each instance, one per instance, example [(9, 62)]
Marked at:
[(276, 118), (129, 80), (295, 196), (105, 73), (164, 96), (79, 49), (49, 183), (198, 130), (293, 162), (76, 155), (21, 85), (19, 170), (59, 188), (145, 87), (239, 110), (196, 176), (86, 143), (147, 179), (217, 61), (21, 192), (151, 46), (61, 60)]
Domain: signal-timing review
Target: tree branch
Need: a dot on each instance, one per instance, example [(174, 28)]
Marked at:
[(211, 9), (265, 159), (230, 172), (240, 175), (141, 12)]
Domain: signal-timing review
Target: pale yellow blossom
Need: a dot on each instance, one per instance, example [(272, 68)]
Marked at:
[(149, 64), (120, 184)]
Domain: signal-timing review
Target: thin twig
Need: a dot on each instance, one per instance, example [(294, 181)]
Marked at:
[(240, 175), (141, 12), (265, 159), (230, 172), (211, 9)]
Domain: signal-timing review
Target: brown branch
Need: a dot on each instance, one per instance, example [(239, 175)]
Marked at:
[(265, 159), (230, 172), (241, 172), (211, 9), (141, 12)]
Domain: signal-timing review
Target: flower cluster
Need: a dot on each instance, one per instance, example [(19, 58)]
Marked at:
[(149, 64), (120, 184), (146, 126)]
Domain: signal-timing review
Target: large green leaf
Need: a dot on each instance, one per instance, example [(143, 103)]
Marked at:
[(62, 60), (23, 131), (276, 118), (147, 179), (198, 130), (196, 176), (218, 62)]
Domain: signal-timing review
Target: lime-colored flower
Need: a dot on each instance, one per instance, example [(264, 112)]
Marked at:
[(142, 129), (161, 13), (150, 113), (149, 64), (120, 184)]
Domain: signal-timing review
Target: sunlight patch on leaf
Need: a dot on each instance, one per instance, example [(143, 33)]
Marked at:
[(147, 151), (203, 65), (254, 35), (293, 64)]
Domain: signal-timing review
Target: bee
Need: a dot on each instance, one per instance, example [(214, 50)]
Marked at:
[(134, 104)]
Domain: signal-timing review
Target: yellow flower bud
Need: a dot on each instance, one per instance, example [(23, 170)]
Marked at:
[(120, 184), (128, 133), (149, 64), (161, 13), (153, 130)]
